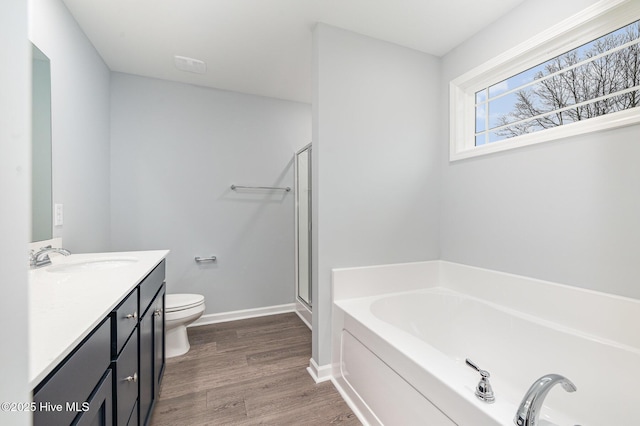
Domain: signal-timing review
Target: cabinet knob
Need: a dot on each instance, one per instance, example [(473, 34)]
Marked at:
[(157, 312), (132, 316), (133, 378)]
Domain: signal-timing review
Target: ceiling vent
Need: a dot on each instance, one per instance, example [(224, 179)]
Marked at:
[(190, 65)]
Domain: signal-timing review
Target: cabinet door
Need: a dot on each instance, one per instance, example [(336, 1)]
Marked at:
[(99, 412), (74, 380), (158, 340), (146, 365), (152, 354)]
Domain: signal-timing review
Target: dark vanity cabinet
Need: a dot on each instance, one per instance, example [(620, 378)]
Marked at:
[(113, 376)]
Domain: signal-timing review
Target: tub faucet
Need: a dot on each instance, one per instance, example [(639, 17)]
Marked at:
[(529, 409), (484, 391), (40, 258)]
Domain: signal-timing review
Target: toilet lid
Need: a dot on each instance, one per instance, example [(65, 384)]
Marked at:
[(178, 302)]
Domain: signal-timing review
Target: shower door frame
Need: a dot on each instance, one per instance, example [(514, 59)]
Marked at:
[(303, 305)]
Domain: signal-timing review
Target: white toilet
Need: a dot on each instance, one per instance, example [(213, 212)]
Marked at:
[(180, 311)]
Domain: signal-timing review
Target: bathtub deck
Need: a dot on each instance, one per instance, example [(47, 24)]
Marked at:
[(245, 373)]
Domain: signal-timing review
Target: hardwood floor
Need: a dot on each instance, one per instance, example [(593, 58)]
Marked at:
[(248, 372)]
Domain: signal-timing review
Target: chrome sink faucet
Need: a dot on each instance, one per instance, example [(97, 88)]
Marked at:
[(40, 258), (529, 409)]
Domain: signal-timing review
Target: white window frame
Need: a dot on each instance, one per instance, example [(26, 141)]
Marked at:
[(591, 23)]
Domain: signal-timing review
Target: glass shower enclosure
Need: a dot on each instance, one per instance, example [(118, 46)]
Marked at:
[(303, 225)]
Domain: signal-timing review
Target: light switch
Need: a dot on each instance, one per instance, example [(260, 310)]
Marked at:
[(58, 215)]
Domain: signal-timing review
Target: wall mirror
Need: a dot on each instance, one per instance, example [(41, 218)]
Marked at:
[(41, 168)]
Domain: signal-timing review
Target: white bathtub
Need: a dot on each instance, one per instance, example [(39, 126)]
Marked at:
[(399, 357)]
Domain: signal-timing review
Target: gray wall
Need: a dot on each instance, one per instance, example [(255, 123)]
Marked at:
[(15, 170), (375, 160), (565, 211), (175, 151), (80, 126)]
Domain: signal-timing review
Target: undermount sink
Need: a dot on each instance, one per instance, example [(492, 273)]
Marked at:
[(92, 264)]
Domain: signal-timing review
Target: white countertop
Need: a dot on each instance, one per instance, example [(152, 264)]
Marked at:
[(64, 307)]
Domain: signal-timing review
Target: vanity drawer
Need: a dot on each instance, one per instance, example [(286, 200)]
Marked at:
[(125, 319), (126, 380), (75, 378), (150, 285)]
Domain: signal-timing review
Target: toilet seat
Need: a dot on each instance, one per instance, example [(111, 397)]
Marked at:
[(181, 302)]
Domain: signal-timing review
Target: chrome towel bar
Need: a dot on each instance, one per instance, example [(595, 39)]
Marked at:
[(234, 187)]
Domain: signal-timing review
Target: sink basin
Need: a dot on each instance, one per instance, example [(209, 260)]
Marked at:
[(92, 264)]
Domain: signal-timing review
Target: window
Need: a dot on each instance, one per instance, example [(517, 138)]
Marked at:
[(533, 94)]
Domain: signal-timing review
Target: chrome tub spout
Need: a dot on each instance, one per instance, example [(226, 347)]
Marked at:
[(529, 409)]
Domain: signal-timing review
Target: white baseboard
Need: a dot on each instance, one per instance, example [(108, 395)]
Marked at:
[(244, 314), (303, 319), (319, 373), (304, 313)]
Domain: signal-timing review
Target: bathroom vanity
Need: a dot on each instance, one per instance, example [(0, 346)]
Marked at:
[(96, 333)]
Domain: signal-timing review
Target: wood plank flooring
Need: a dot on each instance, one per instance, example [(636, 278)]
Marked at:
[(248, 372)]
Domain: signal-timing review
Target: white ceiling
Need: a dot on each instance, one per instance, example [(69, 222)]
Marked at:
[(264, 47)]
